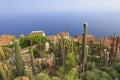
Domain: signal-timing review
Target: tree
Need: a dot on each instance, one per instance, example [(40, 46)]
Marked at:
[(31, 40)]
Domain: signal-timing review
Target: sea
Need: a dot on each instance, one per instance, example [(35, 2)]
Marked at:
[(99, 24)]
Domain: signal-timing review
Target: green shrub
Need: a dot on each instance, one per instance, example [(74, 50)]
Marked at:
[(116, 66), (111, 71), (55, 78), (95, 75), (42, 76), (90, 65), (89, 75), (102, 74)]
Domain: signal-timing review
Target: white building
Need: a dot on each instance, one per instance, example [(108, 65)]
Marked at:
[(42, 33)]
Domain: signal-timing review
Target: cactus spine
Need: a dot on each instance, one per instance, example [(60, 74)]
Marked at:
[(18, 58), (83, 54)]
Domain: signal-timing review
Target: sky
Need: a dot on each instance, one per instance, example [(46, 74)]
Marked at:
[(103, 16), (51, 6)]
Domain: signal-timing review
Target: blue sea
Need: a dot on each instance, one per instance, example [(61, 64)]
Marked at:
[(99, 24)]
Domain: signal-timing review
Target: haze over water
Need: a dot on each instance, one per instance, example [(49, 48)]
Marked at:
[(53, 16)]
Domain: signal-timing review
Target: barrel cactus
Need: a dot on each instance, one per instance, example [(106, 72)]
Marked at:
[(42, 76), (28, 73)]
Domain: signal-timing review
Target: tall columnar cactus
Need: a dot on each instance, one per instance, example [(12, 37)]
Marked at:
[(84, 41), (100, 51), (18, 58), (60, 52), (2, 72), (32, 60), (116, 47), (6, 65), (112, 51), (2, 54), (72, 46), (105, 57), (86, 57)]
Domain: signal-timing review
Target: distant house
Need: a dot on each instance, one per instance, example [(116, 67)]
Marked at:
[(76, 39), (65, 35), (90, 39), (41, 33), (6, 39), (8, 36), (22, 35), (55, 38)]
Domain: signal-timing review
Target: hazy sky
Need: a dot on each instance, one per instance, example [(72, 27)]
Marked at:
[(45, 6), (103, 16)]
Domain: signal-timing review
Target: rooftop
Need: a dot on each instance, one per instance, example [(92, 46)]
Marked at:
[(37, 31)]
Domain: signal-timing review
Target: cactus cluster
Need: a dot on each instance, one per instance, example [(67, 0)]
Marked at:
[(61, 49), (114, 48), (64, 61)]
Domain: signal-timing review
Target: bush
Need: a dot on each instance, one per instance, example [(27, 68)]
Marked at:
[(111, 71), (102, 74), (116, 66), (55, 78), (94, 59), (32, 40), (42, 76), (36, 52), (89, 75), (95, 75), (90, 65), (10, 45)]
